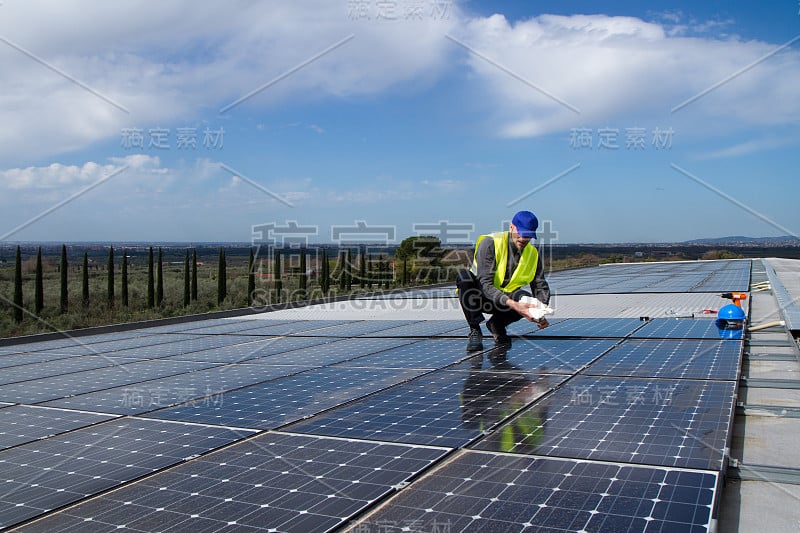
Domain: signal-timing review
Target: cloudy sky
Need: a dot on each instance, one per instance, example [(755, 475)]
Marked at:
[(620, 121)]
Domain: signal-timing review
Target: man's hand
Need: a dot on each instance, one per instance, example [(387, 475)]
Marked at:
[(522, 309)]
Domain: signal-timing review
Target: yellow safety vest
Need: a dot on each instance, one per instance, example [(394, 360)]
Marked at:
[(525, 271)]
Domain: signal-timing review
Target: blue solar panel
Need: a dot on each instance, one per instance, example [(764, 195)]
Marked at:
[(679, 328), (663, 422), (41, 476), (672, 358), (279, 402), (498, 492), (23, 423), (579, 327)]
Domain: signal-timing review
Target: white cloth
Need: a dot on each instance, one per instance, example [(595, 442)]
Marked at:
[(536, 310)]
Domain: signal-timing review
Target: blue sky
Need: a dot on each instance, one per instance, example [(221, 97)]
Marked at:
[(615, 121)]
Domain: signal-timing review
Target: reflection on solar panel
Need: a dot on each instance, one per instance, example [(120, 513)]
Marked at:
[(354, 329), (445, 408), (554, 355), (677, 423), (579, 327), (275, 482), (47, 474), (22, 423), (201, 388), (497, 492), (332, 351), (679, 328), (254, 349), (671, 358), (279, 402)]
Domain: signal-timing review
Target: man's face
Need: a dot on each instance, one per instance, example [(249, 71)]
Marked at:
[(519, 241)]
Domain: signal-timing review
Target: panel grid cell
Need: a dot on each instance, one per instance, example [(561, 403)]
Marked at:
[(496, 492), (282, 401), (671, 358), (45, 475), (274, 482), (679, 423), (445, 408)]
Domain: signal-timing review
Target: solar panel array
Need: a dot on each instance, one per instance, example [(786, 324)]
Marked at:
[(381, 425)]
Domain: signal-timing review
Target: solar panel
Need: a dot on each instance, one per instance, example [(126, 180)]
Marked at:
[(425, 328), (679, 423), (548, 355), (428, 353), (44, 475), (54, 387), (294, 327), (9, 361), (23, 423), (332, 352), (497, 492), (356, 328), (444, 408), (53, 368), (279, 402), (203, 387), (679, 328), (253, 349), (274, 482), (671, 358), (77, 346), (579, 327)]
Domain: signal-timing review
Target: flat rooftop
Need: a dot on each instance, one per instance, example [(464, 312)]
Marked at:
[(632, 411)]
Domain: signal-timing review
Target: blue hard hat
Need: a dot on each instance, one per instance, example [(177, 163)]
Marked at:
[(731, 312)]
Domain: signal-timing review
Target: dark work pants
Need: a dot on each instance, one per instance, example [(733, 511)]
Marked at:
[(474, 303)]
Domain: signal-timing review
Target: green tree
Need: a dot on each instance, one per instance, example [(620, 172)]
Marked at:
[(325, 274), (194, 274), (301, 293), (342, 271), (222, 286), (251, 278), (39, 285), (63, 267), (349, 271), (85, 280), (124, 278), (187, 292), (276, 275), (111, 276), (362, 266), (18, 287), (160, 284), (151, 284)]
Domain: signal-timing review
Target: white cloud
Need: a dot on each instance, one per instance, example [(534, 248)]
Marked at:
[(617, 69), (164, 62)]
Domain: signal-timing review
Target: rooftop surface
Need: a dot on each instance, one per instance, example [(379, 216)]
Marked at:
[(632, 411)]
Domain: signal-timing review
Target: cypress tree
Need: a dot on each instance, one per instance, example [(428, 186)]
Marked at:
[(64, 287), (111, 276), (276, 275), (325, 274), (349, 274), (186, 281), (194, 274), (251, 278), (362, 267), (39, 288), (221, 285), (85, 280), (160, 285), (18, 287), (342, 271), (151, 287), (303, 276), (124, 277)]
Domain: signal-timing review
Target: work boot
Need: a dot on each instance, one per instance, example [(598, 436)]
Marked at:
[(501, 338), (475, 340)]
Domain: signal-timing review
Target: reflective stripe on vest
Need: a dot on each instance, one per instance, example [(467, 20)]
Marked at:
[(525, 271)]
